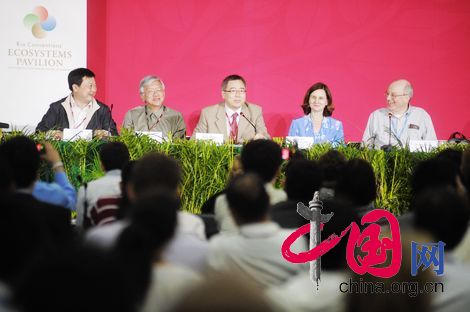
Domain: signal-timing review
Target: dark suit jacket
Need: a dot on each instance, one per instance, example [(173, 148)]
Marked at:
[(56, 119), (213, 120)]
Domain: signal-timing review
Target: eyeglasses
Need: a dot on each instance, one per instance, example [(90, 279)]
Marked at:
[(394, 96), (234, 91), (153, 91)]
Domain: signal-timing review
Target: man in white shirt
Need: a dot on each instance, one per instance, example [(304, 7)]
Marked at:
[(156, 171), (263, 157), (399, 122), (254, 252), (98, 201)]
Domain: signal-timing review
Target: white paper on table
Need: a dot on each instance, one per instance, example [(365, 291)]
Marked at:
[(75, 134)]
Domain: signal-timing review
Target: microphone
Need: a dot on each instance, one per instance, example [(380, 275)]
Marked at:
[(110, 120), (388, 147), (243, 115)]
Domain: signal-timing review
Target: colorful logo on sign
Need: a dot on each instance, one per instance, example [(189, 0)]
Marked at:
[(39, 22)]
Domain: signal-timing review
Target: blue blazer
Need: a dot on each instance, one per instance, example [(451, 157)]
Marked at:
[(331, 130)]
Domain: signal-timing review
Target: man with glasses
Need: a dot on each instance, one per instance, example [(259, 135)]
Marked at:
[(154, 115), (399, 122), (235, 118)]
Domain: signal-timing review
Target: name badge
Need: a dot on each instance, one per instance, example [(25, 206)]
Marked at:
[(76, 134)]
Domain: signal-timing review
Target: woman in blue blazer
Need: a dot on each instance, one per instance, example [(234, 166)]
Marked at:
[(317, 121)]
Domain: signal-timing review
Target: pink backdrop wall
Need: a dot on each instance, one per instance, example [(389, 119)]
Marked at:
[(282, 47)]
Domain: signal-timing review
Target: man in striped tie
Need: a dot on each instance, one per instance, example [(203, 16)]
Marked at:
[(235, 118)]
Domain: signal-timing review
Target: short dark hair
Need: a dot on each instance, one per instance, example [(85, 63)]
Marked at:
[(114, 155), (344, 215), (23, 157), (124, 202), (230, 78), (332, 164), (303, 178), (329, 108), (6, 179), (247, 198), (357, 182), (465, 169), (76, 76), (153, 220), (433, 172), (263, 157), (442, 212), (156, 171), (153, 223)]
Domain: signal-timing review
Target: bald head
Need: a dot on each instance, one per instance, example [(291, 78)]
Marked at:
[(403, 85), (399, 94)]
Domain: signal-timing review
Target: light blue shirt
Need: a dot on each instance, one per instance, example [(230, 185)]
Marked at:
[(331, 130), (60, 192)]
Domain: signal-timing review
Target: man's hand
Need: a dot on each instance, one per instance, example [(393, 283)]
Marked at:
[(101, 134), (55, 134), (52, 157)]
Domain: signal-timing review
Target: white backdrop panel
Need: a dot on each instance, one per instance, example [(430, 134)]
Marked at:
[(40, 42)]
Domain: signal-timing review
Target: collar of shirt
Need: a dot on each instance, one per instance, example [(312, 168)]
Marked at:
[(113, 172), (78, 108), (155, 114), (406, 113), (79, 114), (230, 112)]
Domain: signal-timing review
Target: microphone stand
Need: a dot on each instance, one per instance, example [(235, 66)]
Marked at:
[(388, 147), (110, 120), (252, 124)]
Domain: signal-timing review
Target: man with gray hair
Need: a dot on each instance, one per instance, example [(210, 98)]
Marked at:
[(399, 122), (154, 115)]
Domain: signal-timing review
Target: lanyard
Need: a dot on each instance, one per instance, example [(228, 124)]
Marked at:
[(395, 124), (73, 117), (158, 119)]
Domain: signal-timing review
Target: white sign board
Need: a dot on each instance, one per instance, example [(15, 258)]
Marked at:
[(75, 134), (422, 145), (155, 135), (40, 43), (302, 142)]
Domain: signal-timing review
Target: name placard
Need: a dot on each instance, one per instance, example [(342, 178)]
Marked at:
[(422, 145), (217, 138), (155, 135), (75, 134), (302, 142)]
